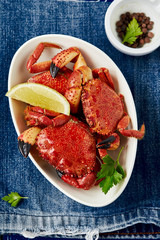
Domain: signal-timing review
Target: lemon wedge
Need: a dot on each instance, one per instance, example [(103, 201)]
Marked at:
[(40, 95)]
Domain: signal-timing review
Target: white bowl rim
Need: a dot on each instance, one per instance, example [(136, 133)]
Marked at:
[(117, 44)]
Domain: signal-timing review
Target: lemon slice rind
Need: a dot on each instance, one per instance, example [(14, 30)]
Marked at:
[(40, 95)]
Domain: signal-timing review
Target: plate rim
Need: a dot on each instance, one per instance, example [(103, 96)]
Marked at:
[(17, 130)]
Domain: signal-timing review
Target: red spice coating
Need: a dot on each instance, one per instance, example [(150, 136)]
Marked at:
[(70, 148), (59, 83), (102, 106)]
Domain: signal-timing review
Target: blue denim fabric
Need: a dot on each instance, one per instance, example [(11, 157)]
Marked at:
[(48, 211), (138, 231)]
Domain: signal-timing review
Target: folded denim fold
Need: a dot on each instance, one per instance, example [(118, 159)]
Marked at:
[(31, 226)]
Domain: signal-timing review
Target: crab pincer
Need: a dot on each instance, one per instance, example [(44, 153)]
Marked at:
[(53, 70), (27, 139), (34, 67), (106, 143), (38, 118)]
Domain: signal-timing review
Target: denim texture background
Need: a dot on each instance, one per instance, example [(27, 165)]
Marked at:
[(48, 211)]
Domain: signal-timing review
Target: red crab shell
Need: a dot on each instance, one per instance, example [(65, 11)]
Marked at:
[(102, 107), (59, 83), (70, 148), (65, 142)]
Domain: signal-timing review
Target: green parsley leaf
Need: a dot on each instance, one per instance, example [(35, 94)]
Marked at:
[(13, 198), (132, 32), (120, 170), (107, 168), (111, 173), (106, 184), (117, 177)]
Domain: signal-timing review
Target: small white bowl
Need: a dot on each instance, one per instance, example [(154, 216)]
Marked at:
[(95, 58), (150, 7)]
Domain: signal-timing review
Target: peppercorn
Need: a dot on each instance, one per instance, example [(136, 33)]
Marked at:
[(145, 24)]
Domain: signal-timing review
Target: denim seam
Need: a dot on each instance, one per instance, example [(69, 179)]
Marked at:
[(58, 215), (128, 224), (125, 223), (132, 233)]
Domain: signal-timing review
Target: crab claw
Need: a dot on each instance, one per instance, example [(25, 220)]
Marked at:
[(64, 57), (110, 143), (105, 143), (24, 148), (34, 67), (27, 139), (53, 70)]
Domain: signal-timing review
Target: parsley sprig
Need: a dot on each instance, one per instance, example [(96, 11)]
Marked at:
[(111, 172), (132, 32), (13, 198)]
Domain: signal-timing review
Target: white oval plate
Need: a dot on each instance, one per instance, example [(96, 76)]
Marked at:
[(95, 58)]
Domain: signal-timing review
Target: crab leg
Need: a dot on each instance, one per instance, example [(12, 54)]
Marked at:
[(36, 116), (60, 120), (124, 122), (32, 67), (104, 75), (81, 74), (47, 112)]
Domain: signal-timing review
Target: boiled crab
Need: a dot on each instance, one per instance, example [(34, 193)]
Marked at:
[(65, 142), (103, 109)]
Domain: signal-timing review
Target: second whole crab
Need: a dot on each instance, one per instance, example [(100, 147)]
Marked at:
[(74, 144)]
